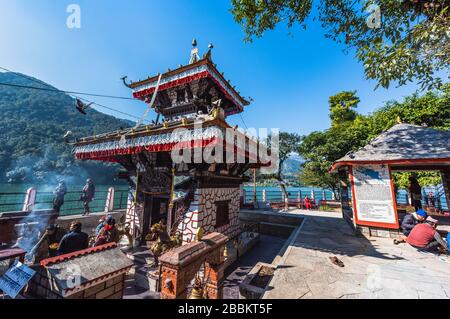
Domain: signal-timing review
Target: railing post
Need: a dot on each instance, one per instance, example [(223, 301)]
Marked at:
[(30, 200), (109, 204), (324, 195), (264, 196)]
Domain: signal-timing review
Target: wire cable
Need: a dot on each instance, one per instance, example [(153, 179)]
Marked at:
[(67, 92), (52, 89)]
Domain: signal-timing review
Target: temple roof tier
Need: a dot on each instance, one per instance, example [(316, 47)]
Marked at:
[(190, 88)]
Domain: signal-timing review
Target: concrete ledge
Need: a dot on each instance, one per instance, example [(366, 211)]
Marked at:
[(89, 222), (277, 230), (260, 216)]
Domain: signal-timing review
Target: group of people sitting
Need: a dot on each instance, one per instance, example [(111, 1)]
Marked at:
[(57, 242), (420, 231)]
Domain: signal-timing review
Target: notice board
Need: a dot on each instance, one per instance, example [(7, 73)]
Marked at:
[(374, 199)]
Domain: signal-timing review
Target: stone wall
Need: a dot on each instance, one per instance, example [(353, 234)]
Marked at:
[(42, 286), (202, 212), (180, 265), (368, 231)]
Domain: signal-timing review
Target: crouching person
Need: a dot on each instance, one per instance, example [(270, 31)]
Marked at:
[(426, 237), (411, 220)]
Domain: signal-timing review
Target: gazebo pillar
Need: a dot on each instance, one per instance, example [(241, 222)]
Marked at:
[(445, 174)]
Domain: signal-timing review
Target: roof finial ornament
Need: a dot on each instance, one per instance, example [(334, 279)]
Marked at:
[(124, 80), (208, 54), (194, 52)]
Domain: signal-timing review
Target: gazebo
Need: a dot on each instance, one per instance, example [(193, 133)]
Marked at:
[(368, 196)]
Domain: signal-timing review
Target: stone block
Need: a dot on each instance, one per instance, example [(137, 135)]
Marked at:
[(94, 290), (105, 293), (118, 287), (117, 295), (109, 283)]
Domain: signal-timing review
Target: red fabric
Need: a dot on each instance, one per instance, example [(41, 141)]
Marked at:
[(307, 203), (108, 155), (421, 235), (144, 93), (61, 258)]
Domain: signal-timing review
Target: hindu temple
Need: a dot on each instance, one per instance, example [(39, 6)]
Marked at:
[(202, 191)]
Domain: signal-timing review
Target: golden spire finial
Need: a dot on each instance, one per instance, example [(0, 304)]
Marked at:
[(194, 52)]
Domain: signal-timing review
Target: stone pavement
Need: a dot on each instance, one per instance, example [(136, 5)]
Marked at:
[(374, 268)]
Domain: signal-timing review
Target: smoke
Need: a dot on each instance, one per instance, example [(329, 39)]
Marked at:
[(31, 229), (52, 164)]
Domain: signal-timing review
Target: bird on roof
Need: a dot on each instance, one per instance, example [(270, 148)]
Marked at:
[(81, 107)]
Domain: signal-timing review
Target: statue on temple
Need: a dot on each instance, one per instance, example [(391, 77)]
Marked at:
[(160, 241)]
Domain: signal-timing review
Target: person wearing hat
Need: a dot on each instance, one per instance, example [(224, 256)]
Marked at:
[(108, 233), (411, 220), (101, 224), (425, 236)]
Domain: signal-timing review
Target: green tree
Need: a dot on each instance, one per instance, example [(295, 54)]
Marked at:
[(396, 41), (321, 149), (342, 107), (288, 143)]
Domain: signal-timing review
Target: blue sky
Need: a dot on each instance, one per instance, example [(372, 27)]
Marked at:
[(290, 77)]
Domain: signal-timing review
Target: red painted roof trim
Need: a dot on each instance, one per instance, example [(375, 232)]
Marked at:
[(397, 162), (62, 258)]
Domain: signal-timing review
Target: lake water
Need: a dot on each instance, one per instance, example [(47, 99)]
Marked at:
[(12, 196)]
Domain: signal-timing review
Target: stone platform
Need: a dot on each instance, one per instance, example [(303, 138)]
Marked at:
[(374, 268)]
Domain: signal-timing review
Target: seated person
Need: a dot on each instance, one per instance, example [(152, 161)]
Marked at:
[(425, 236), (411, 220), (108, 233), (73, 241), (54, 235), (307, 203)]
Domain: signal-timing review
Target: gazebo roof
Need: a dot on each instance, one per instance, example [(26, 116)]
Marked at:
[(403, 143)]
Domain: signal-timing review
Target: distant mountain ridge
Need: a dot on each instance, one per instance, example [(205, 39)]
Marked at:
[(32, 126)]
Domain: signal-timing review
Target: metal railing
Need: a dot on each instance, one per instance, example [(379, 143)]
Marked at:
[(273, 196), (72, 204)]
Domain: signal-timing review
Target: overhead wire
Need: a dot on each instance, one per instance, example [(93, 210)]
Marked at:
[(75, 94)]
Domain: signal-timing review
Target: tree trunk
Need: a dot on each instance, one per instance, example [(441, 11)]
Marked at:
[(284, 191)]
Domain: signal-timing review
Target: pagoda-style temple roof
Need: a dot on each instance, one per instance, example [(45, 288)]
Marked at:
[(190, 88), (166, 137), (194, 100)]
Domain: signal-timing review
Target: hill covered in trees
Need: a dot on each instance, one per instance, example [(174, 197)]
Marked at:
[(32, 126)]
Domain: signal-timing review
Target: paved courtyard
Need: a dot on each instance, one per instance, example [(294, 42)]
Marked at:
[(374, 268)]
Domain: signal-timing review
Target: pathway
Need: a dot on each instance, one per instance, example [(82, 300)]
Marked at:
[(374, 268)]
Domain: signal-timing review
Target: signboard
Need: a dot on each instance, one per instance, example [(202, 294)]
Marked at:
[(374, 202), (15, 279)]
